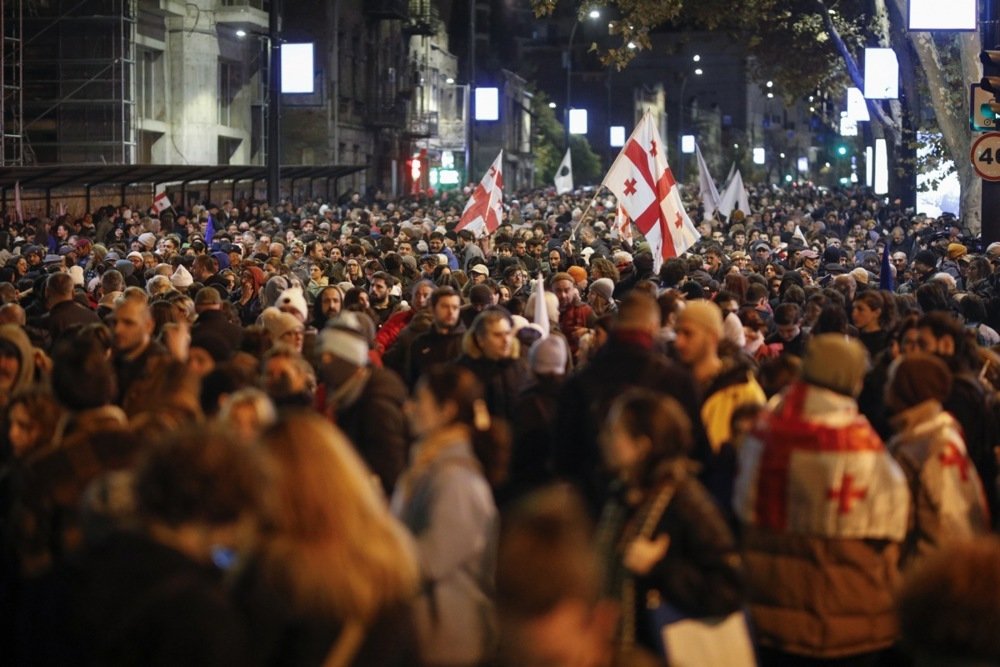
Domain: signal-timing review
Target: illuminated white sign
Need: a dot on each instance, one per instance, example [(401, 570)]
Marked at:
[(487, 104), (578, 121), (881, 74), (297, 68)]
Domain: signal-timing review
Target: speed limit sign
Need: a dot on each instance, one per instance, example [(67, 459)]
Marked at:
[(986, 156)]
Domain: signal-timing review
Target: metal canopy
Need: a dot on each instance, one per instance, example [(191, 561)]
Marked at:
[(65, 176)]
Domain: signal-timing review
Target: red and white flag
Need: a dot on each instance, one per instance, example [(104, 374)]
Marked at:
[(18, 207), (622, 228), (484, 210), (831, 478), (645, 187), (161, 202)]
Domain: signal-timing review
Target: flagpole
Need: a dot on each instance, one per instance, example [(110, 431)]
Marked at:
[(572, 235)]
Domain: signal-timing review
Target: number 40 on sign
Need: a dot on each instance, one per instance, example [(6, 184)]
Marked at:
[(986, 156)]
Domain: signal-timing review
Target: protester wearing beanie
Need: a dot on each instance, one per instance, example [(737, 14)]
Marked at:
[(949, 503), (283, 327), (532, 456), (824, 508), (837, 363), (366, 401)]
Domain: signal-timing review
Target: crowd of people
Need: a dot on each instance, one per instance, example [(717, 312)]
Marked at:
[(348, 433)]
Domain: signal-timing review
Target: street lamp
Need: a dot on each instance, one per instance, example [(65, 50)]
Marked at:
[(272, 39), (593, 14)]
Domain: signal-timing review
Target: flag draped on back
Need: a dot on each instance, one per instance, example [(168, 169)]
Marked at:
[(484, 210), (564, 174), (710, 199), (645, 187), (735, 196)]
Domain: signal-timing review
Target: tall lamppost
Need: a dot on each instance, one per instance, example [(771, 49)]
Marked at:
[(272, 149), (274, 105), (681, 109), (593, 14)]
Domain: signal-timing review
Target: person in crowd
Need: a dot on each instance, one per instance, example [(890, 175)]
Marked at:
[(445, 500), (627, 360), (823, 508), (334, 573), (248, 412), (365, 401), (662, 534), (135, 350), (154, 595), (549, 598), (491, 352), (575, 317), (948, 500), (440, 344), (948, 617)]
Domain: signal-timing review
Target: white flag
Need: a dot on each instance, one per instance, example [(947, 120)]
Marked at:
[(799, 235), (18, 208), (541, 314), (161, 202), (735, 197), (729, 176), (709, 195), (564, 175), (484, 210), (645, 187)]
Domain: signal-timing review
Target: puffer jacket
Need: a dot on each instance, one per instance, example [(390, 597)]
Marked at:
[(823, 508)]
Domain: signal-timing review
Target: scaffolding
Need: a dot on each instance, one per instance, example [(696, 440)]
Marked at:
[(11, 78), (79, 75)]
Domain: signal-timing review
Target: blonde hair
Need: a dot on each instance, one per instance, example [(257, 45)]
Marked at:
[(334, 547)]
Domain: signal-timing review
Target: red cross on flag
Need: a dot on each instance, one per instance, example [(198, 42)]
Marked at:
[(642, 181), (622, 228), (484, 210), (829, 478), (161, 202)]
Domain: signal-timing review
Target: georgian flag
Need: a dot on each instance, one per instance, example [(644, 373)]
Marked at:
[(484, 210), (622, 227), (812, 478), (645, 187), (564, 175), (161, 202)]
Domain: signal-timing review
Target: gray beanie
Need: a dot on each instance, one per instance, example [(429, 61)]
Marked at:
[(835, 362), (548, 355), (603, 286)]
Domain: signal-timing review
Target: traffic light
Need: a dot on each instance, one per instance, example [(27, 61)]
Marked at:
[(990, 83), (841, 150)]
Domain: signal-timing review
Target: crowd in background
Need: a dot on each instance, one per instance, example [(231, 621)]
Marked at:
[(336, 433)]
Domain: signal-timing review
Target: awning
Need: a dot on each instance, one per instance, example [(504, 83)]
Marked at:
[(61, 176)]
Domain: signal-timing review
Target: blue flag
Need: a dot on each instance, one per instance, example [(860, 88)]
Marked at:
[(209, 230), (885, 280)]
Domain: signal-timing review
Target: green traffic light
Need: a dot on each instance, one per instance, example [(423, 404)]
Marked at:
[(841, 150)]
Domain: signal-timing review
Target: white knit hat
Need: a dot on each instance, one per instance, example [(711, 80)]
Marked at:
[(293, 298), (181, 279), (344, 338)]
